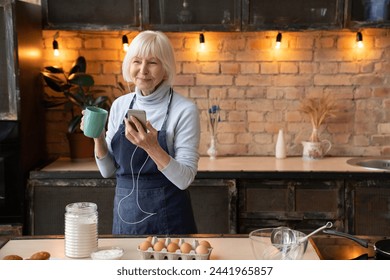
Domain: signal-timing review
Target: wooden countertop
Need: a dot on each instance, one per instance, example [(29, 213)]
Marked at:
[(239, 164), (224, 248)]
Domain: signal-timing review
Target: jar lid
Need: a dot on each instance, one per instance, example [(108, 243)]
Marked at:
[(81, 207)]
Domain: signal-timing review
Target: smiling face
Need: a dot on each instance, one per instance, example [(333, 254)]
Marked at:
[(147, 73)]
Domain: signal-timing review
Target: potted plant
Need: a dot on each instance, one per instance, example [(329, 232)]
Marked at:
[(319, 110), (76, 86)]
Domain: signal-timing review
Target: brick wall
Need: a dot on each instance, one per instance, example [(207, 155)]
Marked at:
[(260, 86)]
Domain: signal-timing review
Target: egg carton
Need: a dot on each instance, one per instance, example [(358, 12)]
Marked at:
[(150, 254)]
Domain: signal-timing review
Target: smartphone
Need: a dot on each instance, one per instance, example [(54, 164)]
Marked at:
[(139, 114)]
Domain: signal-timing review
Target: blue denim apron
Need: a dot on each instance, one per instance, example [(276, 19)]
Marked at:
[(146, 202)]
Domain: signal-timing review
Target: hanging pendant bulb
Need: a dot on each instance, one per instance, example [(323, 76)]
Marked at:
[(359, 40), (56, 50), (278, 40), (125, 43), (202, 42)]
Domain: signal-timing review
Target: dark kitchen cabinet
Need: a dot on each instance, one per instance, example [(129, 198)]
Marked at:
[(292, 15), (191, 15), (217, 15), (368, 207), (367, 13), (91, 14), (213, 201), (298, 203), (22, 132)]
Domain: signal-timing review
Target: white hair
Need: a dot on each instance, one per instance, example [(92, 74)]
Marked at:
[(155, 44)]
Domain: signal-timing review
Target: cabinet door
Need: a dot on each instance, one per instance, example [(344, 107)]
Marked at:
[(368, 13), (9, 91), (91, 14), (292, 15), (48, 199), (368, 207), (191, 15), (214, 205), (300, 204)]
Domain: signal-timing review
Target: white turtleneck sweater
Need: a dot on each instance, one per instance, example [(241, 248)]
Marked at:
[(183, 132)]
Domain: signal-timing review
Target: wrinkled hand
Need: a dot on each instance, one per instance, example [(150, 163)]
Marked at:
[(146, 140)]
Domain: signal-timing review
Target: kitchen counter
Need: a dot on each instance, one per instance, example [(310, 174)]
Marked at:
[(237, 164), (230, 168), (232, 247)]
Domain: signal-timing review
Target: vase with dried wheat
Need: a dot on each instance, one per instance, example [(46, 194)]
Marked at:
[(319, 110)]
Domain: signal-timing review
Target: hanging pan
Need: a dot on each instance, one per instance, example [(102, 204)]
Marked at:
[(381, 247)]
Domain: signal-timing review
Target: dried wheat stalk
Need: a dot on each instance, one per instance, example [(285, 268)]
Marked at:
[(319, 110)]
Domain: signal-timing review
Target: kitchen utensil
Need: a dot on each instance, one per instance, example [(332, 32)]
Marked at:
[(327, 225), (381, 247), (288, 242), (285, 235), (264, 249)]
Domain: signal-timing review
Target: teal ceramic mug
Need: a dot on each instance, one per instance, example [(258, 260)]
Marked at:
[(94, 121)]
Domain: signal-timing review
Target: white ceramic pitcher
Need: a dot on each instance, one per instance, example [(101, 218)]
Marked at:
[(315, 150)]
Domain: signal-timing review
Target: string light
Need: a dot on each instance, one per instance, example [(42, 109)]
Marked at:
[(125, 43), (202, 41), (359, 39), (56, 50), (278, 40)]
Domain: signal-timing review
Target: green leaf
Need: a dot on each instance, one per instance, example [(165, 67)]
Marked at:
[(75, 99), (100, 101), (74, 123), (79, 66), (54, 82), (54, 69), (81, 79)]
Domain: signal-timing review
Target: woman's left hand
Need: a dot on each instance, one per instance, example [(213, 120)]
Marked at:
[(137, 135)]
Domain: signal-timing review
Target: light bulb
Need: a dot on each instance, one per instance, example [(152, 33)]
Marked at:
[(55, 48), (202, 42), (278, 40), (125, 43), (359, 40)]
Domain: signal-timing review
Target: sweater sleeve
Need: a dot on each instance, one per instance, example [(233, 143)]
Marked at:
[(183, 165)]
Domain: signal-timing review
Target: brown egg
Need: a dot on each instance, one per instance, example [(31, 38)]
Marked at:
[(205, 243), (176, 240), (185, 248), (201, 249), (172, 247), (144, 246), (159, 246), (149, 238)]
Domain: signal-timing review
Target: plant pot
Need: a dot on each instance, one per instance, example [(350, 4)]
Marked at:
[(81, 148)]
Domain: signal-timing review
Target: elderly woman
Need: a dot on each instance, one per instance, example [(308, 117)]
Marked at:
[(153, 167)]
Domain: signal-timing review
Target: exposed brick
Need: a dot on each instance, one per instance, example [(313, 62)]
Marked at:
[(261, 87), (269, 68), (230, 68), (250, 68)]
